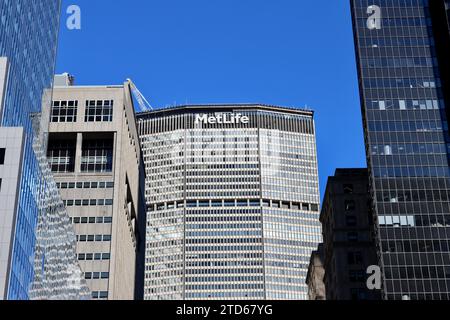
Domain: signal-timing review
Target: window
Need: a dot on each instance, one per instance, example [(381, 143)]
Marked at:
[(351, 221), (97, 155), (352, 236), (61, 155), (358, 294), (357, 276), (2, 156), (349, 205), (348, 188), (354, 258), (98, 111), (64, 111)]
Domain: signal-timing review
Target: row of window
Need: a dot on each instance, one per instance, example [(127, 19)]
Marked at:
[(413, 196), (412, 172), (85, 185), (402, 83), (223, 241), (437, 272), (96, 275), (435, 221), (235, 203), (417, 246), (398, 62), (99, 295), (223, 248), (94, 238), (96, 111), (85, 220), (88, 202), (409, 104), (97, 155), (220, 271), (402, 126), (225, 279), (234, 295), (93, 256), (227, 233), (409, 148), (383, 41), (398, 22), (235, 286), (64, 111)]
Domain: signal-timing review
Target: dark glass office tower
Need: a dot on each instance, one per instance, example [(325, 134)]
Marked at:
[(403, 76)]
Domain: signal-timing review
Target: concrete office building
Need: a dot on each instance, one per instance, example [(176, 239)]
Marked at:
[(30, 211), (403, 50), (233, 201), (349, 245), (94, 152)]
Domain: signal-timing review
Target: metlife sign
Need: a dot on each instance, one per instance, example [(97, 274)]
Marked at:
[(224, 118)]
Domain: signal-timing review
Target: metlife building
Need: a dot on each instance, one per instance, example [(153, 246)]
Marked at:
[(232, 196)]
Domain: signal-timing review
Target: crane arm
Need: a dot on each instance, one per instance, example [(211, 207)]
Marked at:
[(144, 105)]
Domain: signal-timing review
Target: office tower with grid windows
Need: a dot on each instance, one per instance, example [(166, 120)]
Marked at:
[(232, 201), (93, 149), (402, 49), (31, 212)]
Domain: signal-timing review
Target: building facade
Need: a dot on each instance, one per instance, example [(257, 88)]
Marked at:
[(94, 153), (348, 235), (28, 41), (403, 76), (315, 276), (233, 201)]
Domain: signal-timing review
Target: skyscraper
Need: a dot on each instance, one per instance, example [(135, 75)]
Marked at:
[(233, 201), (349, 248), (403, 77), (93, 148), (31, 212)]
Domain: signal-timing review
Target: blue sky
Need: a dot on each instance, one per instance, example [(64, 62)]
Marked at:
[(284, 52)]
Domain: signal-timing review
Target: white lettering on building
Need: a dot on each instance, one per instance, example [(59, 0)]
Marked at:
[(224, 118)]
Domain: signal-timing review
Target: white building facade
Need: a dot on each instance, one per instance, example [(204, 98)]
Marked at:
[(233, 201)]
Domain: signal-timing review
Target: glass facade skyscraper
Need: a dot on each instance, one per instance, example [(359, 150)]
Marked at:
[(402, 77), (233, 201), (29, 208)]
